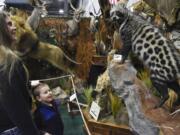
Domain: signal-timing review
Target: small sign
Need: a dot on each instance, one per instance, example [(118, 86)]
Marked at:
[(117, 57), (72, 97), (95, 110)]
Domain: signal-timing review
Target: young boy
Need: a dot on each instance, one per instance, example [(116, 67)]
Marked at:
[(46, 115)]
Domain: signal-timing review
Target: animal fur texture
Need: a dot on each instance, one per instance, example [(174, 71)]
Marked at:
[(152, 48), (26, 37), (73, 25), (28, 44)]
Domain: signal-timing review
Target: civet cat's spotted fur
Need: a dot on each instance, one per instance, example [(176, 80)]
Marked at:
[(155, 51)]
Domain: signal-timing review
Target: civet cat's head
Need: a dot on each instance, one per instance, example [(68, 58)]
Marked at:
[(118, 14)]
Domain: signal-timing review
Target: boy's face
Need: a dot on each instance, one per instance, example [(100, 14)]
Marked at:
[(45, 95)]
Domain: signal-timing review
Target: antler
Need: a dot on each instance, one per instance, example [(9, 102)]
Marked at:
[(79, 9), (77, 12), (71, 5), (81, 6), (38, 12), (95, 9)]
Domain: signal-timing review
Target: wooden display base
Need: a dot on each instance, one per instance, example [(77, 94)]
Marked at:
[(105, 128)]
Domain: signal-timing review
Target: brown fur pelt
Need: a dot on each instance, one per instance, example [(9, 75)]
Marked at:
[(117, 42), (52, 54), (106, 32), (85, 50)]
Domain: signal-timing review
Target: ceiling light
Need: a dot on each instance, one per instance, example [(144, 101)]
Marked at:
[(61, 11)]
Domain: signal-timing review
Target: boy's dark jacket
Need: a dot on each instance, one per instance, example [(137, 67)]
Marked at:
[(48, 118)]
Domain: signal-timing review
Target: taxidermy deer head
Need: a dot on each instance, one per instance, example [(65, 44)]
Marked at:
[(73, 27), (38, 12), (94, 22)]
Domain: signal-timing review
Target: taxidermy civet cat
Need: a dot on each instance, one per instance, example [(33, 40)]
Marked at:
[(152, 48)]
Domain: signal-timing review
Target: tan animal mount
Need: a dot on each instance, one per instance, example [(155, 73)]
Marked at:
[(28, 44), (73, 25)]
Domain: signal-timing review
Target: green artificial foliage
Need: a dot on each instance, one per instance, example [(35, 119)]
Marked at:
[(116, 104), (144, 76), (61, 82), (88, 95)]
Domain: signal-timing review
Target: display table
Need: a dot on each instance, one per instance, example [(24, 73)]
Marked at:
[(105, 128)]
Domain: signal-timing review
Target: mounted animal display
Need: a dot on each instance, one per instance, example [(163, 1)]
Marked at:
[(94, 22), (79, 47), (104, 31), (73, 25), (152, 48), (95, 28), (28, 44)]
